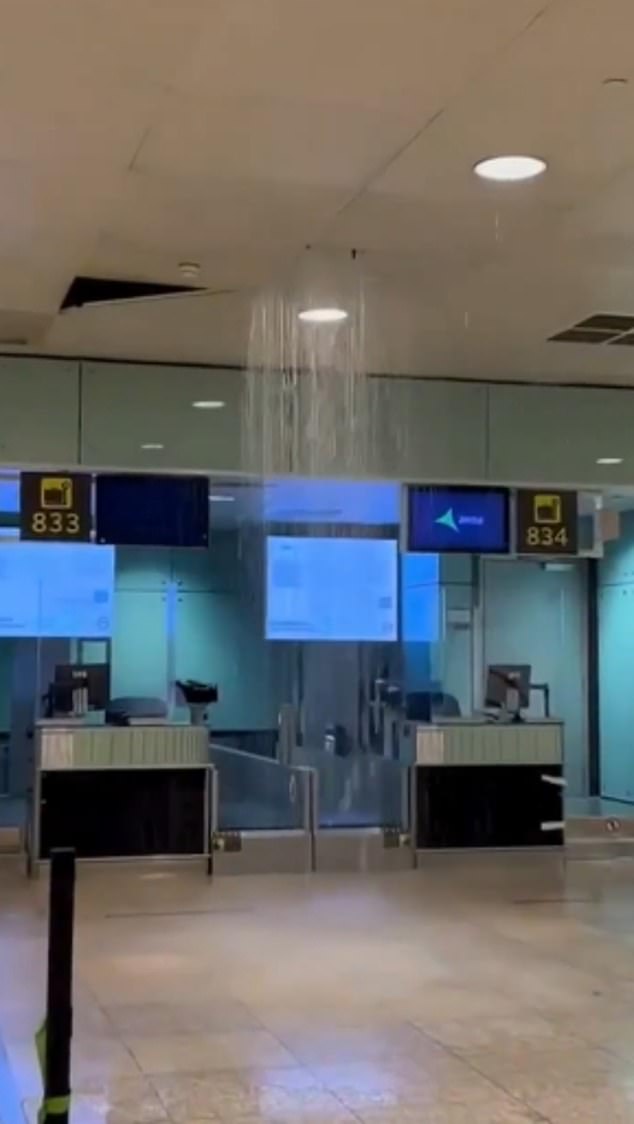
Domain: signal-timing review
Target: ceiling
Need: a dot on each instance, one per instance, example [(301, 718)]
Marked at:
[(137, 134)]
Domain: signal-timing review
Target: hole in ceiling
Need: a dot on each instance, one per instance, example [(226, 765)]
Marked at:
[(111, 290), (615, 328)]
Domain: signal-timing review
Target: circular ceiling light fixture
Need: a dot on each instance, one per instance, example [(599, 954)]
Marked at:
[(510, 169), (609, 460), (208, 404), (152, 446), (323, 315), (189, 270)]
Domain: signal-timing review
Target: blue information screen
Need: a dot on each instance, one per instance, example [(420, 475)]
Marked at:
[(56, 589), (331, 589), (459, 520)]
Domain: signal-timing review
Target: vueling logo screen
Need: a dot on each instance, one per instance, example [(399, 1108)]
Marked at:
[(470, 520)]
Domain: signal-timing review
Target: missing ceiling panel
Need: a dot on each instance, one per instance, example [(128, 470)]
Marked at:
[(623, 341), (111, 290), (583, 335), (608, 321)]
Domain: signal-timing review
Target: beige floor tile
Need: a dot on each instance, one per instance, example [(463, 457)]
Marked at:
[(95, 1062), (439, 1002), (131, 1102), (336, 1045), (572, 1106), (508, 1035), (400, 1082), (548, 1078), (500, 1110), (287, 1094), (191, 1053), (445, 996), (150, 1020)]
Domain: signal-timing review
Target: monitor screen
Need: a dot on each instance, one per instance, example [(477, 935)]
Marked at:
[(56, 589), (504, 679), (331, 589), (462, 520), (96, 677), (141, 510)]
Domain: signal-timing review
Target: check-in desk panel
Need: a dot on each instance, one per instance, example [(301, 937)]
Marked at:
[(481, 784), (120, 792)]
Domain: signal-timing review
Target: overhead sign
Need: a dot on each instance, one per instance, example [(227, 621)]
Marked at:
[(55, 507), (465, 520), (546, 522)]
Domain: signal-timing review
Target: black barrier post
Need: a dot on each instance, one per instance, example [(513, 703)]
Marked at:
[(59, 997)]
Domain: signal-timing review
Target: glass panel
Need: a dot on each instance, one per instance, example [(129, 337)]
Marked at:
[(40, 410), (256, 794), (127, 408), (616, 652), (4, 763), (536, 614), (438, 634), (362, 790)]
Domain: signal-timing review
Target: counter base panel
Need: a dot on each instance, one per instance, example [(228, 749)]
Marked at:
[(109, 813), (487, 806)]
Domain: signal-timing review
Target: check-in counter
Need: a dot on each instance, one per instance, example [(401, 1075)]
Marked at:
[(121, 791), (488, 784)]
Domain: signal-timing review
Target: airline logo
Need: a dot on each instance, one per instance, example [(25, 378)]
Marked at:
[(455, 522)]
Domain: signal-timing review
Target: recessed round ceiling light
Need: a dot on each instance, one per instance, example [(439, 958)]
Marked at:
[(322, 315), (510, 169), (189, 270), (149, 445), (609, 460), (208, 404), (222, 499)]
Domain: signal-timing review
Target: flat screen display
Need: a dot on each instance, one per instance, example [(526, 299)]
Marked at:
[(56, 589), (142, 510), (463, 520), (331, 589)]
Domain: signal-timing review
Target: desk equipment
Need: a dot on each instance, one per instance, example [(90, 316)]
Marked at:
[(508, 688), (198, 697), (77, 689)]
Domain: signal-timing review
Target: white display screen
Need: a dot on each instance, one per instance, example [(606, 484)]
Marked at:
[(331, 589), (56, 589)]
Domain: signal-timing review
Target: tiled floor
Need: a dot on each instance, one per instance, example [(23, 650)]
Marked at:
[(482, 991)]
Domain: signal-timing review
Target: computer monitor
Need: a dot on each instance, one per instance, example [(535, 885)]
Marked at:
[(96, 676), (507, 680)]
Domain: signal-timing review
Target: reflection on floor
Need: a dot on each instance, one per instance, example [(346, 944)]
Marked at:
[(478, 991)]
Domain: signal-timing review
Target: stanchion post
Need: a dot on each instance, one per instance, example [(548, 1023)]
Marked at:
[(59, 997)]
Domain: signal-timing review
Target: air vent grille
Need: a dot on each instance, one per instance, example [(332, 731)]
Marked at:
[(614, 328)]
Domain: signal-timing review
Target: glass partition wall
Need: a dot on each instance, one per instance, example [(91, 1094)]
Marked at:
[(327, 642)]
